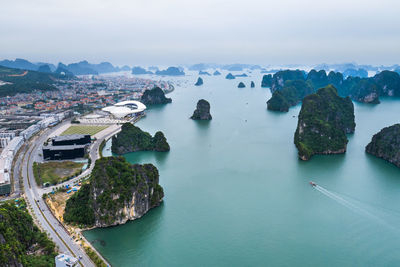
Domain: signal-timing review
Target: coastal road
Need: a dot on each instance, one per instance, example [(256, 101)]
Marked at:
[(41, 212)]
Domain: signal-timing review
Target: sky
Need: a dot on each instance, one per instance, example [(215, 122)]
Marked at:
[(167, 32)]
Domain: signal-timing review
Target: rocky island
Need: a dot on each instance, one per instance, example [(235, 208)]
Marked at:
[(132, 139), (324, 120), (117, 192), (216, 73), (154, 96), (386, 144), (199, 82), (202, 111), (241, 85), (230, 76)]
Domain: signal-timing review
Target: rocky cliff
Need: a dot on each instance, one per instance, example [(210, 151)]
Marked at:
[(241, 85), (117, 192), (132, 139), (324, 120), (386, 144), (154, 96), (202, 111)]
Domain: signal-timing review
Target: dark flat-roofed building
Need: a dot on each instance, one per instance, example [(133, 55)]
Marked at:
[(72, 139), (63, 152)]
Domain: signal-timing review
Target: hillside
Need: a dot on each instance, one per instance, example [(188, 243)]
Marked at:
[(25, 81), (117, 192), (21, 242)]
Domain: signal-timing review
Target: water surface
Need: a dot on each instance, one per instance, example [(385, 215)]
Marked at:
[(237, 195)]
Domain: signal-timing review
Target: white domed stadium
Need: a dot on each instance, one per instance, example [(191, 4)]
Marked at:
[(126, 109)]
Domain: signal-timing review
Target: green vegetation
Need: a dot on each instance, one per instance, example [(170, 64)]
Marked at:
[(21, 242), (94, 257), (56, 171), (132, 138), (291, 94), (21, 81), (84, 129), (155, 96), (79, 208), (324, 120), (386, 144), (114, 186)]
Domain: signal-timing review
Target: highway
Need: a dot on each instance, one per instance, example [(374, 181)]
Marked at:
[(34, 194)]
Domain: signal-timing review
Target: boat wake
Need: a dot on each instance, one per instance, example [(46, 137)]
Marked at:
[(362, 209)]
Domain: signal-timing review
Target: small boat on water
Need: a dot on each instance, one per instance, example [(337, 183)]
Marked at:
[(313, 184)]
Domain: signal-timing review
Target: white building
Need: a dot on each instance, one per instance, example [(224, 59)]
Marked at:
[(126, 109), (31, 130), (5, 138), (14, 145), (63, 260)]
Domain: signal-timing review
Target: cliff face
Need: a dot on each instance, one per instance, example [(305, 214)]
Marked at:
[(324, 120), (202, 111), (386, 144), (279, 78), (117, 192), (132, 138), (154, 96), (266, 80)]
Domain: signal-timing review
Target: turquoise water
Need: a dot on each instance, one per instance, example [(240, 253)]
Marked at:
[(237, 195)]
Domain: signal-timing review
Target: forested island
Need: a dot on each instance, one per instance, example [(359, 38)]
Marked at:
[(154, 96), (132, 139), (386, 144), (324, 120), (117, 192), (21, 242), (229, 76), (288, 86)]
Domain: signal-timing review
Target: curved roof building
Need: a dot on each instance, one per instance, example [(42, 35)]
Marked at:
[(125, 108)]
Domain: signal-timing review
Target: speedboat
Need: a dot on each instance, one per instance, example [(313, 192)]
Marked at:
[(313, 184)]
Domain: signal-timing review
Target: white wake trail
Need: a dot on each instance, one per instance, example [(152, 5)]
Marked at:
[(352, 205)]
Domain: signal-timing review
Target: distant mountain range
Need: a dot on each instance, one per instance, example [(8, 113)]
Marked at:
[(79, 68), (26, 81)]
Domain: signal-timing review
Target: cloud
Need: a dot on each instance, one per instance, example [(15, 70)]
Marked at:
[(178, 31)]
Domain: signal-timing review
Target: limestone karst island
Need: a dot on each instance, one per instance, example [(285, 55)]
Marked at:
[(199, 133)]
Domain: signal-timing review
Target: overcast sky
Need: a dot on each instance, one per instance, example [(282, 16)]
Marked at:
[(183, 31)]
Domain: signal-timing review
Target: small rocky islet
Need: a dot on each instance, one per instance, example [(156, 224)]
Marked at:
[(131, 139), (202, 111), (199, 82)]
